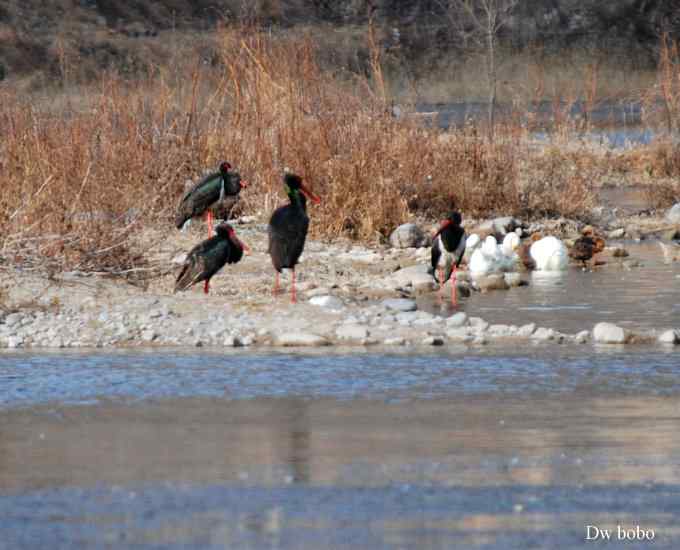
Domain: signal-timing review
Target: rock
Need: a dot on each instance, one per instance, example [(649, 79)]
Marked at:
[(13, 319), (494, 281), (400, 304), (505, 225), (457, 320), (149, 335), (398, 341), (670, 337), (409, 235), (433, 341), (544, 334), (459, 334), (179, 259), (301, 339), (352, 332), (525, 331), (671, 235), (479, 324), (673, 214), (609, 333), (616, 233), (15, 342), (619, 252), (500, 331), (514, 280), (416, 276), (328, 302), (582, 337)]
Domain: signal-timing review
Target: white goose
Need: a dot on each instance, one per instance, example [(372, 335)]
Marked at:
[(549, 254)]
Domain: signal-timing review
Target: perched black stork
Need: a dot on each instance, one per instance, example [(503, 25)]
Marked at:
[(288, 229), (448, 247), (208, 257), (206, 193)]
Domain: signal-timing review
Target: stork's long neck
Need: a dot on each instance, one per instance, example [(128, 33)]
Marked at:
[(298, 200)]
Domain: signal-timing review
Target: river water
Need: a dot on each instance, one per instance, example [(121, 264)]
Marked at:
[(464, 448)]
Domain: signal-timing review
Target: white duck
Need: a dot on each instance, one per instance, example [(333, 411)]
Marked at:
[(509, 248), (487, 258), (549, 254)]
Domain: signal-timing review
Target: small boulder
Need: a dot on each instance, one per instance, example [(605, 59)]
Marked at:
[(400, 304), (617, 233), (457, 320), (433, 341), (609, 333), (494, 281), (544, 334), (409, 235), (671, 337), (673, 214), (328, 302), (525, 331)]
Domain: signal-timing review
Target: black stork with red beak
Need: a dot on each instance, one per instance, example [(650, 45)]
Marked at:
[(288, 229), (208, 192), (208, 257), (448, 247)]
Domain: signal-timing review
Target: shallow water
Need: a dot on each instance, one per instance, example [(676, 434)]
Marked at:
[(486, 448), (641, 298)]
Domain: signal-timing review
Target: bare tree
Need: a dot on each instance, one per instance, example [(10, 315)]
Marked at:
[(478, 23)]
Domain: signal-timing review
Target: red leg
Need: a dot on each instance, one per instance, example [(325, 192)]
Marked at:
[(454, 297), (293, 294), (441, 283), (206, 287), (275, 291), (209, 218)]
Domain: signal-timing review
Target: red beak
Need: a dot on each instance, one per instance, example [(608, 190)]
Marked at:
[(244, 184), (314, 198), (444, 225)]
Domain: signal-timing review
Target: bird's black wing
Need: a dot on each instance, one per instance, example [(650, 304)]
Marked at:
[(199, 198), (435, 254), (287, 234)]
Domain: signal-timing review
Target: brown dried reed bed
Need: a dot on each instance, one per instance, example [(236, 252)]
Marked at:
[(80, 184)]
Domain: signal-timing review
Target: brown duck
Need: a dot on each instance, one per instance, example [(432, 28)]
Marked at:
[(586, 247)]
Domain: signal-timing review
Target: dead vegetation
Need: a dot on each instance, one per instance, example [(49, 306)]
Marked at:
[(83, 177)]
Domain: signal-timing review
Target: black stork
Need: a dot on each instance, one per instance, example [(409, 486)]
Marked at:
[(448, 247), (288, 229), (208, 257), (211, 190)]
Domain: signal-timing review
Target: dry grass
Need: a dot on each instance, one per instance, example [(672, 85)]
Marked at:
[(82, 179)]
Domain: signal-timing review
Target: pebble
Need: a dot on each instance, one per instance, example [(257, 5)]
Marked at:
[(433, 341), (525, 331), (457, 320), (544, 334), (398, 341), (616, 233)]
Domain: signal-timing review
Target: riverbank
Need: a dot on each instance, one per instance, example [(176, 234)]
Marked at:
[(349, 294)]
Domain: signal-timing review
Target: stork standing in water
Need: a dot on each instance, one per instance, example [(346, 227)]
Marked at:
[(208, 192), (288, 228), (448, 247), (208, 257)]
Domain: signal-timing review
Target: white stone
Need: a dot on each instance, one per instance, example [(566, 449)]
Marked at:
[(544, 334), (670, 337), (397, 341), (525, 331), (15, 342), (609, 333), (328, 302), (582, 337), (352, 332), (302, 339), (400, 304), (673, 214), (457, 320)]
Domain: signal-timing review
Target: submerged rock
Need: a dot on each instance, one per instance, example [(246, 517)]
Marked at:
[(609, 333)]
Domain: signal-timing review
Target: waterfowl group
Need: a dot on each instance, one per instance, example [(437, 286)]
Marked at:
[(287, 229)]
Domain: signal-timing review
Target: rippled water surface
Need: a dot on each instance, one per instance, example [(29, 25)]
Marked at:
[(640, 298), (488, 448)]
